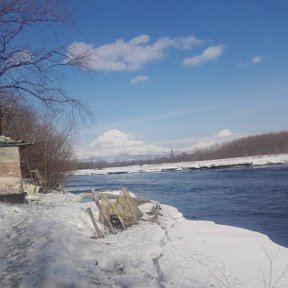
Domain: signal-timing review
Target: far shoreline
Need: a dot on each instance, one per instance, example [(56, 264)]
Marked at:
[(250, 161)]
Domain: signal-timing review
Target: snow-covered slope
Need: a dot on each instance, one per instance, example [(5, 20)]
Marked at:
[(114, 144), (47, 244), (230, 162)]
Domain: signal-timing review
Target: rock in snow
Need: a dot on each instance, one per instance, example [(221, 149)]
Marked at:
[(48, 244)]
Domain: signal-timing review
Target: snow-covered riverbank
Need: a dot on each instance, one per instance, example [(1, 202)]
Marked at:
[(47, 244), (229, 162)]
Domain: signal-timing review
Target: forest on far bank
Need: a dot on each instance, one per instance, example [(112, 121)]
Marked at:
[(263, 144)]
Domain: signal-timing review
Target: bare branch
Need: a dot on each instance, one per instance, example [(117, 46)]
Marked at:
[(29, 72)]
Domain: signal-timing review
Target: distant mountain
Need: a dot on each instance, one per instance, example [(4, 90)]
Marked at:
[(116, 145), (115, 137), (222, 136)]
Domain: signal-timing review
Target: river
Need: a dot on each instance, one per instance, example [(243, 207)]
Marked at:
[(255, 198)]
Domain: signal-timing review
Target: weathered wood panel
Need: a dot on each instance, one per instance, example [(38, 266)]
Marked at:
[(10, 170), (10, 185), (10, 173), (9, 154)]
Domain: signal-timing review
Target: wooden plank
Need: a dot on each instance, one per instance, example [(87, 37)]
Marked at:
[(107, 220), (115, 211), (125, 192), (98, 231)]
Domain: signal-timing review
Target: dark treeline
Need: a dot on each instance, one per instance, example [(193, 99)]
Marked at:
[(51, 149), (264, 144)]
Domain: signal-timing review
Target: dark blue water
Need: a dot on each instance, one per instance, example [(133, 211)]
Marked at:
[(252, 198)]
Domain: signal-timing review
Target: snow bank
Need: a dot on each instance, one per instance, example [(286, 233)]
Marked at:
[(253, 161), (48, 244)]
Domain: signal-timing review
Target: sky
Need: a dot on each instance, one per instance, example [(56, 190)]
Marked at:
[(171, 73)]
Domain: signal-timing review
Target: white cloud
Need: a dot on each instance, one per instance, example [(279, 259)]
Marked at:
[(139, 79), (257, 59), (186, 42), (253, 60), (21, 56), (242, 64), (211, 53), (127, 56)]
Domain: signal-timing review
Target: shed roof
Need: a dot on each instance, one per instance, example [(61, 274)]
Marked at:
[(8, 142)]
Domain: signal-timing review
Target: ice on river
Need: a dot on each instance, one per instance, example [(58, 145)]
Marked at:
[(48, 244)]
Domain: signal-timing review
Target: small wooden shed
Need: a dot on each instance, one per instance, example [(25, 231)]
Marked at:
[(10, 172)]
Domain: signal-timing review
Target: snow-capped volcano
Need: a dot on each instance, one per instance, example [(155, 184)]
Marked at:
[(117, 144), (220, 137), (115, 137)]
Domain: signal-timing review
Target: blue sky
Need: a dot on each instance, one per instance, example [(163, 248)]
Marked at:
[(181, 69)]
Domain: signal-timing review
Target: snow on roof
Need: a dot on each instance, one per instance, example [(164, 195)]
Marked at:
[(7, 141)]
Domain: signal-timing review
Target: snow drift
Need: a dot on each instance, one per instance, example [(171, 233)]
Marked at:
[(48, 244)]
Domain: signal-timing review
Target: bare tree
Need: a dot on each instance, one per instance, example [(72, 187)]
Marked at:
[(19, 120), (52, 151), (29, 71), (29, 75)]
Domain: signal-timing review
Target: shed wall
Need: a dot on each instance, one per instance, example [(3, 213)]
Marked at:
[(10, 173)]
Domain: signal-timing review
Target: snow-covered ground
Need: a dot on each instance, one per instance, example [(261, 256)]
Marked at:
[(253, 160), (48, 244)]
